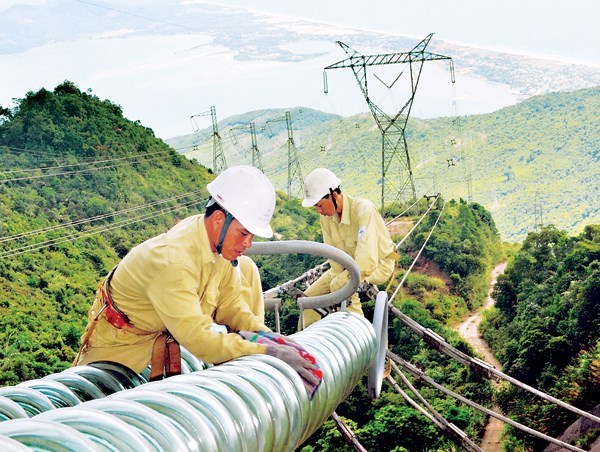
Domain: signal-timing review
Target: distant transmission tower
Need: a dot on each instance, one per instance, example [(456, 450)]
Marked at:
[(256, 160), (459, 142), (393, 160), (219, 162), (538, 213), (294, 170)]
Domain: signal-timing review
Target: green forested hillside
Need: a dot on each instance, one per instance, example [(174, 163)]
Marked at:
[(66, 156), (547, 145), (546, 329)]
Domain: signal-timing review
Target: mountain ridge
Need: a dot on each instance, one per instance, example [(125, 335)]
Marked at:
[(548, 144)]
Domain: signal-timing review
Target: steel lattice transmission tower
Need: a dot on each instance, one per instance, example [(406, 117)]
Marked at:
[(294, 171), (256, 160), (219, 162), (460, 142), (538, 212), (396, 171)]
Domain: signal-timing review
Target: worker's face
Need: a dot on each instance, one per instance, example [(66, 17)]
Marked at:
[(325, 206), (237, 241)]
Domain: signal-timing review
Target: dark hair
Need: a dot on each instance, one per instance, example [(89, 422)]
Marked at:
[(212, 209), (335, 190)]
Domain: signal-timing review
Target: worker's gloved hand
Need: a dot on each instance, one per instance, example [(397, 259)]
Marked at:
[(281, 339), (303, 366), (295, 355), (251, 336)]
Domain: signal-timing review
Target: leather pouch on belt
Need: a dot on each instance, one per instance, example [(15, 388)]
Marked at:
[(166, 357)]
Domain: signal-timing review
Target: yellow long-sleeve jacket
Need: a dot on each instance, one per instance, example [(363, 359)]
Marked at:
[(362, 234), (175, 282)]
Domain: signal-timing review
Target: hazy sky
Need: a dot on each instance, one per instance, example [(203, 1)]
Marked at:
[(161, 82), (565, 28)]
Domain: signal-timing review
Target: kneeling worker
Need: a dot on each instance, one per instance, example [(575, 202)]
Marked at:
[(354, 226), (170, 289)]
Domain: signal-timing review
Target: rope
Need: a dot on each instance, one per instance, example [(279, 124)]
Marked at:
[(448, 428), (416, 373), (437, 342), (347, 433), (416, 258)]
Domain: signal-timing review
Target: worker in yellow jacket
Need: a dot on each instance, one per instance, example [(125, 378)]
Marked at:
[(354, 226), (173, 287)]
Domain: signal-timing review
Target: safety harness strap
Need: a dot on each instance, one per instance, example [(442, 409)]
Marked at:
[(116, 317)]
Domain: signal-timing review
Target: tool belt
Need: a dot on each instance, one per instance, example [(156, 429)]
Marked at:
[(166, 353)]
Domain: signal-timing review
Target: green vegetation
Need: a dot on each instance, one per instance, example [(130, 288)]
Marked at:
[(546, 327), (546, 145), (545, 330), (45, 294)]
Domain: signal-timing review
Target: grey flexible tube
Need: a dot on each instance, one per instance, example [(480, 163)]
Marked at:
[(315, 249)]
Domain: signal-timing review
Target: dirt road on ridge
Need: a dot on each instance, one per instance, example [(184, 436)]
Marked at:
[(469, 329)]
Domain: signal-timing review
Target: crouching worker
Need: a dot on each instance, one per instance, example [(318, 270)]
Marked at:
[(170, 289), (353, 225)]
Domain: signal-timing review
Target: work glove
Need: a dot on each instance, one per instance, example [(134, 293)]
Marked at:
[(287, 350), (303, 366), (254, 336)]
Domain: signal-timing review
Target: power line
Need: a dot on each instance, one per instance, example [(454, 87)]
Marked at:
[(449, 428), (437, 342), (85, 170), (417, 224), (92, 162), (16, 150), (139, 16), (416, 373), (97, 230), (95, 218), (417, 257), (403, 212)]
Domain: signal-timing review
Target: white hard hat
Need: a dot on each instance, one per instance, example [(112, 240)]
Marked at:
[(317, 184), (246, 193)]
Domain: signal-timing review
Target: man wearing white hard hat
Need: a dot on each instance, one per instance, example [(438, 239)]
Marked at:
[(170, 289), (353, 225)]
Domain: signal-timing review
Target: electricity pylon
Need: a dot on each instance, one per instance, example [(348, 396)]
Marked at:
[(460, 143), (219, 162), (538, 212), (256, 160), (294, 170), (394, 162)]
